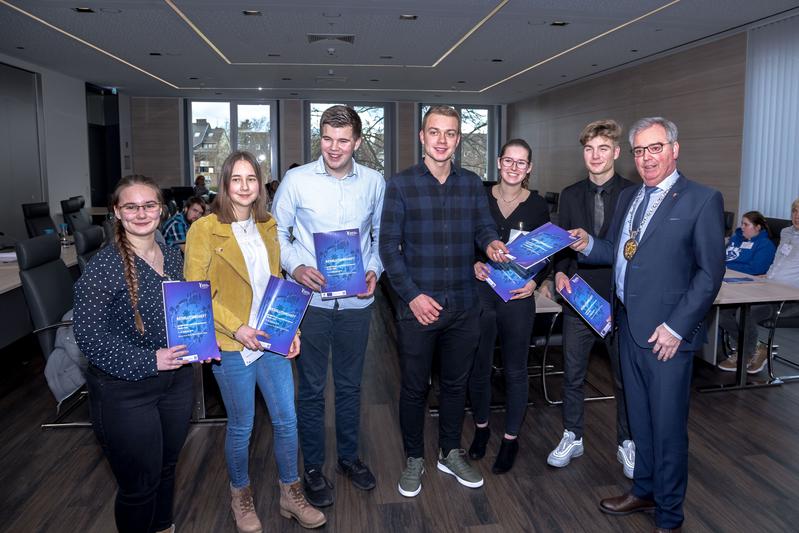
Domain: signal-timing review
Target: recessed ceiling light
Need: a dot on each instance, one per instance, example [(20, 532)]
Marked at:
[(497, 60), (331, 15), (20, 48), (194, 78), (155, 53), (386, 57), (260, 88), (563, 75), (437, 95), (294, 94), (461, 81), (217, 94), (272, 55), (594, 65), (634, 50), (83, 10), (559, 23), (286, 79), (251, 13), (408, 17), (374, 79)]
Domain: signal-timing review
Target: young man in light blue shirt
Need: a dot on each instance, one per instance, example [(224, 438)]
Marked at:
[(329, 194)]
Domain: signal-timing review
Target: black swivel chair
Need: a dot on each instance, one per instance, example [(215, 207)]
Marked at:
[(787, 317), (87, 243), (37, 219), (75, 216), (729, 223), (181, 194), (47, 285), (552, 200)]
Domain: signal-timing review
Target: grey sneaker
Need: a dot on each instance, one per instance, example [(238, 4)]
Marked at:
[(626, 456), (456, 465), (410, 483), (568, 447)]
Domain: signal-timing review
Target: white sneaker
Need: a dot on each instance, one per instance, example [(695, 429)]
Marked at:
[(568, 447), (626, 456)]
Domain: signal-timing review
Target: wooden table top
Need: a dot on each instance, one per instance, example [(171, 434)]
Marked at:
[(9, 272), (761, 290)]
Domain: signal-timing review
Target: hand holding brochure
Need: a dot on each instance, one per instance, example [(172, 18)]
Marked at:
[(591, 306), (190, 318), (537, 245), (338, 258), (282, 308), (505, 277)]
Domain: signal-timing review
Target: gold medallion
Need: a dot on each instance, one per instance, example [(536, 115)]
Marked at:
[(630, 247)]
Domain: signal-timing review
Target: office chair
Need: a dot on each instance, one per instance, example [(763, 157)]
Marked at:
[(729, 223), (87, 243), (47, 285), (552, 199), (776, 225), (37, 219), (75, 216), (181, 194), (787, 317)]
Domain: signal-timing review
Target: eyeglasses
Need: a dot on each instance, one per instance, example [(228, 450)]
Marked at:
[(654, 148), (508, 162), (132, 209)]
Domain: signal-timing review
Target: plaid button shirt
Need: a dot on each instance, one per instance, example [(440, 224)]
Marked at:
[(175, 230), (428, 234)]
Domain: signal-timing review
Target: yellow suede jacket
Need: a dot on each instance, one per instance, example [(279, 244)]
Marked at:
[(213, 254)]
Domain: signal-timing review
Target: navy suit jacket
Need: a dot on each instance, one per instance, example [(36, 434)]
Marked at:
[(677, 270)]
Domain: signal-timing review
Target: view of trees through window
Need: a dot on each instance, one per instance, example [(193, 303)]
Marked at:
[(372, 152), (473, 152), (212, 138)]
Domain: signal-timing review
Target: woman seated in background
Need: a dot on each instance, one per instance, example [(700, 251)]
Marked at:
[(140, 392), (749, 251), (512, 206), (236, 248)]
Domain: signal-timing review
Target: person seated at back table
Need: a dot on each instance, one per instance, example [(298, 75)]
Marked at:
[(177, 226), (750, 249), (785, 270)]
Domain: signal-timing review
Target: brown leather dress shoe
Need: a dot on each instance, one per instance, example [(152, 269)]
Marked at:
[(625, 504), (665, 530)]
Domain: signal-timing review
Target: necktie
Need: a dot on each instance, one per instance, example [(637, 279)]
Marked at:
[(599, 210), (639, 213)]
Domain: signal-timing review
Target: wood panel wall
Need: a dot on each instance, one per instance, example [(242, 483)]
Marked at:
[(407, 135), (701, 90), (156, 136), (292, 134)]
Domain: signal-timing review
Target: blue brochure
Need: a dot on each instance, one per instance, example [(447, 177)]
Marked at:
[(281, 311), (190, 318), (505, 277), (591, 306), (338, 258), (537, 245)]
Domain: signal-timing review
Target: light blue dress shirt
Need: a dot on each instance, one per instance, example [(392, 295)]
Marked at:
[(309, 200)]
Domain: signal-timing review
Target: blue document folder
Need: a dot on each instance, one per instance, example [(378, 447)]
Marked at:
[(505, 277), (190, 318), (537, 245), (282, 308), (339, 259), (591, 306)]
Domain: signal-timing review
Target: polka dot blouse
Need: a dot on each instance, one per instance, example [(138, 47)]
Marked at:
[(105, 328)]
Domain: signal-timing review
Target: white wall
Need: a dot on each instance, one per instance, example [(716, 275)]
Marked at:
[(66, 139)]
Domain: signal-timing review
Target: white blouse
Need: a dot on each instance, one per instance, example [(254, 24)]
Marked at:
[(257, 260)]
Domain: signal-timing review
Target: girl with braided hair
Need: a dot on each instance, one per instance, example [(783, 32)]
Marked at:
[(140, 392)]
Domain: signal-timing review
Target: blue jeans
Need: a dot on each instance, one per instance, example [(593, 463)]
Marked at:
[(346, 331), (237, 382)]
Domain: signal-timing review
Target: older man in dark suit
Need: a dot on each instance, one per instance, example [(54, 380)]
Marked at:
[(666, 245)]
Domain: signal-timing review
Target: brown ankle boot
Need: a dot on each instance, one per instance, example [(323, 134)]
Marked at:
[(244, 510), (294, 505), (170, 529)]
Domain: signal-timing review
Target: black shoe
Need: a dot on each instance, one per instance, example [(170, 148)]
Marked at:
[(318, 489), (358, 473), (506, 456), (478, 448)]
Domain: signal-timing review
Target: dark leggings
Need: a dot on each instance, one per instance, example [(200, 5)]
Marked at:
[(141, 426), (512, 321)]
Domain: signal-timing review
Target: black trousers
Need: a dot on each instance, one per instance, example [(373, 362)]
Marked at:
[(578, 339), (513, 322), (141, 426), (454, 337)]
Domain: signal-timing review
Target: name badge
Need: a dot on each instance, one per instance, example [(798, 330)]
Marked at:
[(747, 245), (785, 249)]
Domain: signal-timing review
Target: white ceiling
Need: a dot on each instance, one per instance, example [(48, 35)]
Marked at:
[(209, 49)]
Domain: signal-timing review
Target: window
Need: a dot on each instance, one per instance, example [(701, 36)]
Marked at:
[(213, 138), (374, 151), (478, 147)]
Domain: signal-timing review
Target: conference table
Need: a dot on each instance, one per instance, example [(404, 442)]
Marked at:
[(14, 313), (758, 291)]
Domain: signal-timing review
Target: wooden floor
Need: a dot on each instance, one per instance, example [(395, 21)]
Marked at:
[(744, 464)]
